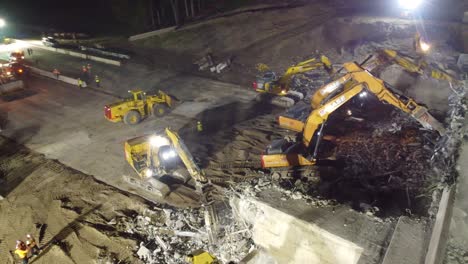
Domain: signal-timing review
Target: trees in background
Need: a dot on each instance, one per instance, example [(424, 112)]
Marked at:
[(152, 14)]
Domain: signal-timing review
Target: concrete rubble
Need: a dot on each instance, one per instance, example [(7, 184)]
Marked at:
[(168, 235), (208, 62), (205, 62)]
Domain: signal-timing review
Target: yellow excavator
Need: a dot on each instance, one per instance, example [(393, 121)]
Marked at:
[(156, 156), (374, 64), (278, 88), (286, 154)]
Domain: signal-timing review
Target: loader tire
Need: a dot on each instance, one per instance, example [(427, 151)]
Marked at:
[(132, 118), (160, 110)]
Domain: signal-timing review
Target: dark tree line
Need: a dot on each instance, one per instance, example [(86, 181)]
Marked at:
[(153, 14)]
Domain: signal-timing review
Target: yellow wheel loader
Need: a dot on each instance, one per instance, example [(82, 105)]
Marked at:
[(139, 106)]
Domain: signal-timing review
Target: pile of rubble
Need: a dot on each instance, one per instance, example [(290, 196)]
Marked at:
[(208, 62), (168, 235)]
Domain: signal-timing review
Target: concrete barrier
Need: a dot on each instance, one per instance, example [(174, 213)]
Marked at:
[(151, 33), (105, 52), (75, 54), (289, 239), (8, 87), (62, 78), (440, 231), (104, 60)]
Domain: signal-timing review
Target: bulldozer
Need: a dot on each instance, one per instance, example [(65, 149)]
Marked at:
[(278, 88), (139, 106), (155, 156)]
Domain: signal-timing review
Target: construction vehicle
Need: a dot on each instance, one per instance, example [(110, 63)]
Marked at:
[(278, 88), (155, 156), (294, 119), (286, 153), (12, 71), (132, 110), (17, 56), (201, 257), (11, 80), (7, 41)]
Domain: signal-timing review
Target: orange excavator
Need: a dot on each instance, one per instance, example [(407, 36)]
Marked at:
[(358, 82), (293, 119)]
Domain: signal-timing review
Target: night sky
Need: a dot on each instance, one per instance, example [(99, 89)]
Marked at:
[(64, 15)]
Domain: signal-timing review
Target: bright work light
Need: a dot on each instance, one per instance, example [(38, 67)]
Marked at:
[(409, 4)]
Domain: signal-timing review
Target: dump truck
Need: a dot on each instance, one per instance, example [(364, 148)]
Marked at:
[(165, 154), (278, 88), (139, 106)]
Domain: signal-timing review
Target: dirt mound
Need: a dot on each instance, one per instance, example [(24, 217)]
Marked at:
[(66, 211)]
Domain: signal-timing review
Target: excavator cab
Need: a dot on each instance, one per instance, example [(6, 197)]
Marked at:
[(137, 95), (265, 82)]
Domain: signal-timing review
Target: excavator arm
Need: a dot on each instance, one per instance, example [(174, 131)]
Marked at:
[(377, 87), (375, 63), (365, 83), (312, 132), (303, 67), (203, 185)]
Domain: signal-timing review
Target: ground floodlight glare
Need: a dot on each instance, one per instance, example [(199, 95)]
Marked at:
[(158, 141), (363, 94), (148, 173), (409, 4), (2, 23), (424, 46)]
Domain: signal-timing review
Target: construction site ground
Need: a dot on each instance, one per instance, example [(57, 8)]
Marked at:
[(62, 163)]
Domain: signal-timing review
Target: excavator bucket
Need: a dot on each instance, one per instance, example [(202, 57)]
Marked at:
[(428, 121)]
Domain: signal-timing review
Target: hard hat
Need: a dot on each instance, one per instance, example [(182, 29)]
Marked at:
[(28, 236)]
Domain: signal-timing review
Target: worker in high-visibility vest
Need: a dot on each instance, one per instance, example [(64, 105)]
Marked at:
[(199, 127), (22, 251), (97, 80), (80, 83)]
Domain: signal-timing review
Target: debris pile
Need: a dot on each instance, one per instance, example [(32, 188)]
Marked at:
[(209, 62), (168, 235), (444, 158), (289, 189)]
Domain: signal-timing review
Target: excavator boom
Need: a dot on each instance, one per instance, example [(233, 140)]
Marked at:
[(312, 133), (375, 63)]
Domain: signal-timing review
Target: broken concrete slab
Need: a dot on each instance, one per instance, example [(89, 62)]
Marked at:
[(258, 257), (289, 239), (143, 252), (408, 242), (462, 62)]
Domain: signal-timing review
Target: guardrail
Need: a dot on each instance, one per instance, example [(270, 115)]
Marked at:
[(74, 53)]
